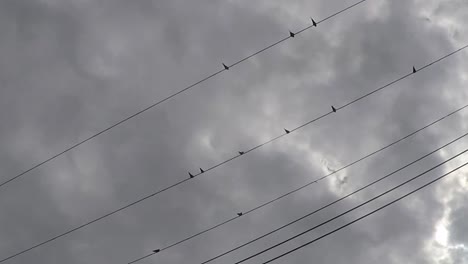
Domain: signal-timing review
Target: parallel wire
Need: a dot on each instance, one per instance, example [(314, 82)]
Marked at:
[(335, 201), (331, 112), (224, 162), (356, 207), (168, 98), (366, 215), (298, 189)]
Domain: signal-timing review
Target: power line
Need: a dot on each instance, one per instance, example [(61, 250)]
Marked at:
[(354, 208), (335, 201), (299, 188), (171, 96), (366, 215), (222, 163), (327, 114), (321, 116)]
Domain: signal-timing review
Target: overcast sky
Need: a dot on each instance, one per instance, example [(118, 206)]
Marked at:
[(70, 68)]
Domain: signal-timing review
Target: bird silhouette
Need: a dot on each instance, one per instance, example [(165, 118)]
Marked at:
[(313, 22), (334, 109), (191, 175), (287, 131), (414, 69), (241, 152), (156, 250), (201, 170), (291, 34), (239, 214), (226, 67)]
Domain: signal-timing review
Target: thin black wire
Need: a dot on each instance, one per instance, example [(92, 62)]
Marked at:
[(422, 68), (224, 162), (335, 201), (301, 187), (88, 223), (331, 112), (366, 215), (354, 208), (167, 98), (300, 31)]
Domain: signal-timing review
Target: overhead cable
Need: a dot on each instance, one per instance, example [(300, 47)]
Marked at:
[(297, 189), (335, 201), (354, 208), (226, 161), (225, 68), (367, 215)]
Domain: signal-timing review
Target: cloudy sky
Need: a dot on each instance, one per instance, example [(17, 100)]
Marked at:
[(70, 68)]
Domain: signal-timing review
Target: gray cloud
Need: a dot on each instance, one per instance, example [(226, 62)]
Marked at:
[(70, 68)]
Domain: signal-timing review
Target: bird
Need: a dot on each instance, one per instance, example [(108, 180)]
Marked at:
[(291, 34), (333, 108), (241, 152), (287, 131), (226, 67), (414, 69), (191, 175), (239, 214), (313, 22), (156, 250), (201, 170)]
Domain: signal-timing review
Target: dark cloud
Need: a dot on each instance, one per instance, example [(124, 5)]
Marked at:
[(70, 68)]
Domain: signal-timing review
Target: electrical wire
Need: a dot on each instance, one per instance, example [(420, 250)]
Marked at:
[(366, 215), (226, 161), (354, 208), (335, 201), (298, 189), (168, 98)]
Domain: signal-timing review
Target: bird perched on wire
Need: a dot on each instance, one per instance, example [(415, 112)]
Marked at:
[(201, 170), (226, 67), (287, 131), (241, 152), (291, 34), (414, 70), (191, 175), (313, 22), (240, 214), (156, 250), (333, 108)]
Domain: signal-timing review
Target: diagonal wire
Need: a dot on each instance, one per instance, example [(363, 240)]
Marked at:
[(335, 201), (300, 188), (366, 215), (166, 99), (224, 162), (331, 112), (354, 208)]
